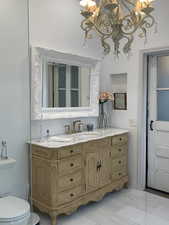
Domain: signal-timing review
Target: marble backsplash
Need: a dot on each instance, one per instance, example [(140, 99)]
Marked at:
[(55, 126)]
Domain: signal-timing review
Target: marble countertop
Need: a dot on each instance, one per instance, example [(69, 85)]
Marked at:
[(73, 139)]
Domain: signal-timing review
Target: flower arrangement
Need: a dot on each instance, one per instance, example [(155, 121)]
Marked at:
[(105, 97), (104, 118)]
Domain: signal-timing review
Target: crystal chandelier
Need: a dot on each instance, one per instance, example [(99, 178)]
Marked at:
[(116, 20)]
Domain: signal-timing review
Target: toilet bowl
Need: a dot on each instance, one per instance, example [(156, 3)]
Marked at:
[(14, 211)]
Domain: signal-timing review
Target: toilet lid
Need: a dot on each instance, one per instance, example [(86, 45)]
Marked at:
[(12, 208)]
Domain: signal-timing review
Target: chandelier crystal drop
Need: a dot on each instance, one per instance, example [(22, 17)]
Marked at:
[(116, 20)]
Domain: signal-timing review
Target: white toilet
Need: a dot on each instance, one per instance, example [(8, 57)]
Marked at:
[(14, 211)]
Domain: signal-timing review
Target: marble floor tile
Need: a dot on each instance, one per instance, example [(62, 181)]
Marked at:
[(126, 207)]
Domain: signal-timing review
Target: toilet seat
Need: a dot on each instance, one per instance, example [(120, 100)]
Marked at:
[(13, 209)]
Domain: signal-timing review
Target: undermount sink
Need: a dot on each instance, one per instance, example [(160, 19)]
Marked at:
[(90, 133), (73, 137), (87, 135), (60, 139)]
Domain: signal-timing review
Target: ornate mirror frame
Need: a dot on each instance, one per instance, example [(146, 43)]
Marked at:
[(39, 56)]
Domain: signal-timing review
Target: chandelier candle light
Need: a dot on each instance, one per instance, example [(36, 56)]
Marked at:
[(116, 20)]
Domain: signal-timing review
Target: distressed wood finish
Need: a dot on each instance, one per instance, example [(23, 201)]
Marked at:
[(68, 177)]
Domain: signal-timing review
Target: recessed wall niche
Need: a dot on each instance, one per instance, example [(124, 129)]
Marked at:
[(119, 90)]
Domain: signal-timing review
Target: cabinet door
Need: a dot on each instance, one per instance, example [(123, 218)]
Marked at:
[(92, 176), (105, 170)]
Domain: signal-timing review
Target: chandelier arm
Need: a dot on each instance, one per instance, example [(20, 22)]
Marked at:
[(100, 32), (109, 23), (82, 24), (131, 3), (135, 25), (101, 2), (146, 23), (125, 5), (127, 46), (87, 28), (131, 32), (105, 45), (141, 23)]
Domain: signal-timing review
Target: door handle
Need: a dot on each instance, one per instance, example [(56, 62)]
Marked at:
[(151, 125), (99, 165)]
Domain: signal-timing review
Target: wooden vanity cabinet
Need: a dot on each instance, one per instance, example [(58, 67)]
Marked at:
[(65, 178), (98, 164)]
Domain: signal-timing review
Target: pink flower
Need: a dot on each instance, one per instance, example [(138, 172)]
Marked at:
[(105, 97)]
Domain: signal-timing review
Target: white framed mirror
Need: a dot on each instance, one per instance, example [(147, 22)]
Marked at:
[(63, 85)]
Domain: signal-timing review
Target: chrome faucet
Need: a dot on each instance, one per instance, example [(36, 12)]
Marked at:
[(77, 126), (76, 123)]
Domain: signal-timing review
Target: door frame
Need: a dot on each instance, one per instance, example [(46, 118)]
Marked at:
[(142, 113)]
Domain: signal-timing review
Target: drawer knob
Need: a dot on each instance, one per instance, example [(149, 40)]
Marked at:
[(119, 161), (120, 174), (71, 195), (71, 151), (120, 139), (71, 164), (71, 180), (120, 150)]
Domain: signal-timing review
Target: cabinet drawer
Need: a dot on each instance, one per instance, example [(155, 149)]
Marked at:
[(68, 165), (67, 182), (98, 144), (118, 164), (120, 139), (69, 195), (69, 151), (118, 175), (41, 152), (118, 151)]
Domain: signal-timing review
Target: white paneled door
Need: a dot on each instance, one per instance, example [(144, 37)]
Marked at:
[(158, 123)]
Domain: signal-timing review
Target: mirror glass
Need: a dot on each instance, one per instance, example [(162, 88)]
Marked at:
[(66, 85)]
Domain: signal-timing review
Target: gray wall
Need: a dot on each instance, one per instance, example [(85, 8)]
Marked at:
[(56, 25), (14, 92), (132, 66)]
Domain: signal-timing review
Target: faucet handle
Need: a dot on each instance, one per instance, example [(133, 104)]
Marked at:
[(81, 126), (76, 126), (76, 121), (67, 129)]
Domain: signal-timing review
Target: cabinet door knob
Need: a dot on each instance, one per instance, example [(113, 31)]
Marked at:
[(120, 150), (119, 174), (120, 139), (71, 151), (119, 161), (71, 180), (99, 165), (71, 195), (71, 164)]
